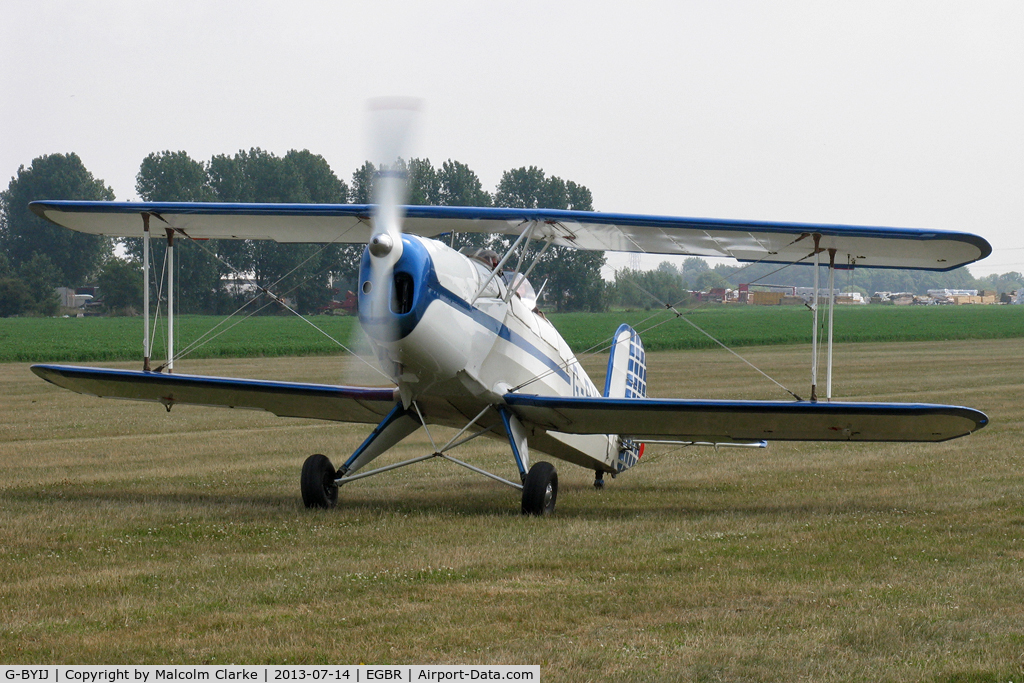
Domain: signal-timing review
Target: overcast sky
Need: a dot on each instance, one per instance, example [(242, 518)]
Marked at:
[(907, 114)]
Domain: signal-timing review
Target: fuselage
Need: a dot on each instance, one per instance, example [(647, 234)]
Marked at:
[(452, 336)]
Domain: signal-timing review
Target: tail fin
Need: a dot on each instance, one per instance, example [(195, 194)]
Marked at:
[(627, 366), (627, 378)]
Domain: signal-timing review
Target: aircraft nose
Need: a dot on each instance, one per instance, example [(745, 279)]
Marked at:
[(391, 315)]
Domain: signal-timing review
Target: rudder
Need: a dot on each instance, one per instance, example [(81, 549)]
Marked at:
[(627, 378), (627, 366)]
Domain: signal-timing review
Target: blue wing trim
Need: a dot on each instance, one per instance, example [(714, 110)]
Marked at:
[(287, 399), (463, 218), (703, 420)]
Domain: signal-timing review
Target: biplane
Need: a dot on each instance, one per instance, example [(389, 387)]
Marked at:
[(465, 345)]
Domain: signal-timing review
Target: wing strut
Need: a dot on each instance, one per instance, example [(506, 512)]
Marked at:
[(814, 325), (497, 269), (831, 319), (147, 348), (170, 300), (145, 291)]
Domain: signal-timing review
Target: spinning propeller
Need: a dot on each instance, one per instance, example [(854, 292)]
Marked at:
[(391, 124)]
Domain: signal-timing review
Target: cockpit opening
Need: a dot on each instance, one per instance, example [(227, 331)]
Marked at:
[(520, 286)]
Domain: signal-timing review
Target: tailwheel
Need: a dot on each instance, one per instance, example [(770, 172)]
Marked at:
[(318, 487), (540, 489)]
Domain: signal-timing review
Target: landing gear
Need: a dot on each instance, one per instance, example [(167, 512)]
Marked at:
[(599, 479), (318, 487), (540, 489)]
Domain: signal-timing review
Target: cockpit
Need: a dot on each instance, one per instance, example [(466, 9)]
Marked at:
[(486, 260)]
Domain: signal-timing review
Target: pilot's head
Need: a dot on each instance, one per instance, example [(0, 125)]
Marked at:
[(488, 257)]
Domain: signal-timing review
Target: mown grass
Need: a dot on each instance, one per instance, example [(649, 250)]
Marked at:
[(128, 534), (112, 339)]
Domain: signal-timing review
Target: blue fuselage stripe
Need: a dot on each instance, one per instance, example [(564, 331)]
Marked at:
[(495, 326), (417, 263)]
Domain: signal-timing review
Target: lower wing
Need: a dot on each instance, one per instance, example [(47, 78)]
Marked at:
[(717, 421), (285, 399)]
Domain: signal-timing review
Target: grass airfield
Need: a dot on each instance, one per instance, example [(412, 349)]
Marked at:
[(132, 535)]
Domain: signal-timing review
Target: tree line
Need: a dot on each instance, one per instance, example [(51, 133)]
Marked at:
[(37, 256)]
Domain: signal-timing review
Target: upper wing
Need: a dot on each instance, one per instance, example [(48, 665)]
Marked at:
[(774, 242), (286, 399), (691, 420)]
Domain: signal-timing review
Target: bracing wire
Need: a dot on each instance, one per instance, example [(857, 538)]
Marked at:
[(608, 342), (707, 334), (159, 294), (212, 334)]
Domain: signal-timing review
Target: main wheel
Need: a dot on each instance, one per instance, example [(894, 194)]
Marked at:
[(318, 487), (540, 489)]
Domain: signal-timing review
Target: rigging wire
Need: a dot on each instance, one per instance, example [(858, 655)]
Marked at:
[(608, 342), (209, 335), (697, 327), (200, 341), (159, 294)]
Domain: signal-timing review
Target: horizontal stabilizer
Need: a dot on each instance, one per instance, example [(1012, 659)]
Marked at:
[(718, 421), (285, 399), (745, 240)]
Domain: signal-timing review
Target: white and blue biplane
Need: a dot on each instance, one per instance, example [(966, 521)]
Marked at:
[(466, 347)]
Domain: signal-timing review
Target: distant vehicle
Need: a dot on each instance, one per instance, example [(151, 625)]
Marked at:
[(350, 305)]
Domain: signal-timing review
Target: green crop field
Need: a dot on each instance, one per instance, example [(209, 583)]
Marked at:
[(132, 535), (110, 339), (770, 325)]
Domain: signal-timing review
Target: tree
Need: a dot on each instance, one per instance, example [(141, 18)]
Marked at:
[(362, 184), (300, 271), (120, 283), (460, 186), (649, 289), (14, 295), (41, 278), (321, 185), (869, 279), (176, 177), (692, 267), (454, 184), (173, 177), (711, 279), (573, 276), (75, 255), (1007, 282), (15, 298), (424, 183)]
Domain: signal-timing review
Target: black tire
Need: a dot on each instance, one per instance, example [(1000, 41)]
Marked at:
[(318, 487), (540, 490)]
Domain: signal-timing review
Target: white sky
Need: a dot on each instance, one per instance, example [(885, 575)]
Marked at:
[(906, 114)]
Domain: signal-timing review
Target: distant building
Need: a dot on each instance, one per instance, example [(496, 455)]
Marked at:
[(851, 298), (72, 298)]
